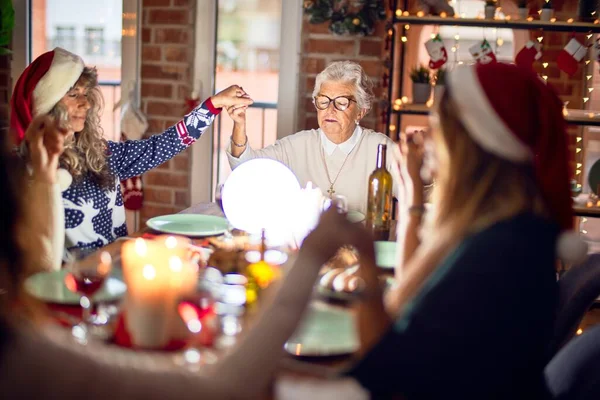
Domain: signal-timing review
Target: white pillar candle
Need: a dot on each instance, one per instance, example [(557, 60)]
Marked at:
[(156, 278)]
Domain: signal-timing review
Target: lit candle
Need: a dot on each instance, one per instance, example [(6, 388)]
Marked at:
[(156, 277)]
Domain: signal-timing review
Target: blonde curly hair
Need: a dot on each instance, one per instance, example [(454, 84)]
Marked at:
[(85, 154)]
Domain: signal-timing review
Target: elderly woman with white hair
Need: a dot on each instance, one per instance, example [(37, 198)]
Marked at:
[(340, 155)]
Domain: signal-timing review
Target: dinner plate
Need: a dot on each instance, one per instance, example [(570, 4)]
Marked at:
[(324, 331), (189, 224), (49, 287), (386, 254), (355, 216)]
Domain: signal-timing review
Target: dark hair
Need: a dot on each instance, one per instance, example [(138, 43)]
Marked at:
[(11, 185)]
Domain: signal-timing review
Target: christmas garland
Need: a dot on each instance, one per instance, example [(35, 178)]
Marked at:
[(7, 22), (361, 22)]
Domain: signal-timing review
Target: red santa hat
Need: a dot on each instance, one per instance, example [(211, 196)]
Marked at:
[(41, 86), (511, 113)]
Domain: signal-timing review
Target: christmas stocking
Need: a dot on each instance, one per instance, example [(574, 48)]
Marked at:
[(528, 54), (437, 52), (569, 57), (482, 53), (132, 193)]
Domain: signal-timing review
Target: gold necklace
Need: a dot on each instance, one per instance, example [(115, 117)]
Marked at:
[(331, 190)]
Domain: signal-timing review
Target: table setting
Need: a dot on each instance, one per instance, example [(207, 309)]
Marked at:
[(183, 290)]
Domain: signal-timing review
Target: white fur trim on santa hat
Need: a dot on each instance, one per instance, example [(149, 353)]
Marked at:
[(483, 123), (64, 179), (570, 248), (64, 71)]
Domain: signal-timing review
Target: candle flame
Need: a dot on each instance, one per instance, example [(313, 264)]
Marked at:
[(105, 258), (140, 246), (175, 264), (171, 242), (149, 272)]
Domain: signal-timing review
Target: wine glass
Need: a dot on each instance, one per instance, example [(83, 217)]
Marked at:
[(86, 272), (218, 195), (195, 310)]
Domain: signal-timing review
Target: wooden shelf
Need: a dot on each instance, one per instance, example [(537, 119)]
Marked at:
[(574, 117), (558, 26)]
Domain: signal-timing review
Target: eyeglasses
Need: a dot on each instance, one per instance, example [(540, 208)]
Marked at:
[(341, 103)]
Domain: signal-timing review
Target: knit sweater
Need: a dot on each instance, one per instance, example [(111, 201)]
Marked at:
[(95, 217), (305, 155)]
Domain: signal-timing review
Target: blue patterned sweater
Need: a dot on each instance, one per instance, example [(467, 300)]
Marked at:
[(94, 216)]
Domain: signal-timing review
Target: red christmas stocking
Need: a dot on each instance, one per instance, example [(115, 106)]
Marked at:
[(568, 59), (133, 195), (437, 52), (528, 55), (483, 53)]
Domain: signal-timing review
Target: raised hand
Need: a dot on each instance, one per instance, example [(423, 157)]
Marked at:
[(334, 231), (232, 96), (45, 140), (410, 165), (237, 114)]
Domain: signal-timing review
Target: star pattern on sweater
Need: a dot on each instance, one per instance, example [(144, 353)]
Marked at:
[(95, 216)]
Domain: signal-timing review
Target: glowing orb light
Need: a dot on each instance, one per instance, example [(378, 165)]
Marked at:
[(261, 194)]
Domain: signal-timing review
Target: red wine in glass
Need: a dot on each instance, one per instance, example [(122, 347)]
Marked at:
[(194, 310), (86, 284)]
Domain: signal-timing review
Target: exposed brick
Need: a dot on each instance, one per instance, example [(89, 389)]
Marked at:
[(312, 65), (172, 36), (330, 46), (156, 195), (181, 162), (371, 48), (183, 3), (151, 53), (182, 199), (175, 73), (175, 17), (162, 108), (155, 125), (311, 122), (163, 178), (146, 35), (166, 166), (310, 84), (372, 68), (152, 210), (177, 54), (156, 3), (315, 28), (163, 90)]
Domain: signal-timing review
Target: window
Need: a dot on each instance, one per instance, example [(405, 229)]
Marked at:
[(94, 41), (65, 38)]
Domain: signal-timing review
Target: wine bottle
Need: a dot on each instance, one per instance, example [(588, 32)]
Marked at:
[(379, 198)]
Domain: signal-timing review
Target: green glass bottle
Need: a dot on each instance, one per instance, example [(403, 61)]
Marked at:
[(379, 198)]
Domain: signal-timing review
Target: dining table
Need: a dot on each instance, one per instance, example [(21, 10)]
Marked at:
[(292, 367)]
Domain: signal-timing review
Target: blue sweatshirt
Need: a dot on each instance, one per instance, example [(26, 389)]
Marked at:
[(94, 216)]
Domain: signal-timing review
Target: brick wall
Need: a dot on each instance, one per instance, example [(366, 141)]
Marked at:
[(166, 80), (321, 47)]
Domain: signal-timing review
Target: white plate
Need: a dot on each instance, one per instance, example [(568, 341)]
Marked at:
[(189, 224), (386, 254), (324, 331), (49, 287), (355, 216)]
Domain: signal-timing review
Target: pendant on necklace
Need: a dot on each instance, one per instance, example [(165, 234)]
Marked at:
[(331, 192)]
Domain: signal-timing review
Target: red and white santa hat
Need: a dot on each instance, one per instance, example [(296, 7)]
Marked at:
[(41, 86), (513, 114)]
